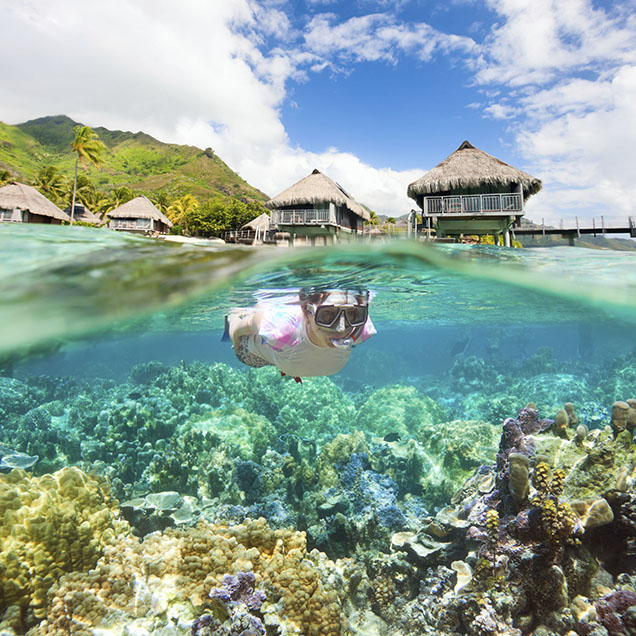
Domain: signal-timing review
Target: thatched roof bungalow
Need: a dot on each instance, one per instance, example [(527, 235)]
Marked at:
[(316, 206), (139, 215), (260, 223), (82, 213), (472, 192), (254, 232), (22, 203)]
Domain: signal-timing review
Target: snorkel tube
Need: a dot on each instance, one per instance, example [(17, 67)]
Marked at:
[(348, 341)]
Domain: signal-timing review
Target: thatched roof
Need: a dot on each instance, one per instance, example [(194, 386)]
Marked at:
[(317, 188), (469, 167), (25, 197), (139, 208), (82, 213), (261, 222)]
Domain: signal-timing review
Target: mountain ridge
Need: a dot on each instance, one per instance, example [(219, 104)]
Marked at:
[(135, 160)]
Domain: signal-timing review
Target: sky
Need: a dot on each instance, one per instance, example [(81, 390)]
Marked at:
[(372, 92)]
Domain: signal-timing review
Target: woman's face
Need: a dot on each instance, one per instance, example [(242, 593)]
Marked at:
[(341, 328)]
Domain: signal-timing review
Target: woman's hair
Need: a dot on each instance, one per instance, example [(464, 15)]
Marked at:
[(313, 296)]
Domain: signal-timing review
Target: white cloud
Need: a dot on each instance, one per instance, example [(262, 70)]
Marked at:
[(376, 37), (567, 71), (198, 72), (561, 74), (538, 40)]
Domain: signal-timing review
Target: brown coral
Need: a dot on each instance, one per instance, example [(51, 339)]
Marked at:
[(50, 525)]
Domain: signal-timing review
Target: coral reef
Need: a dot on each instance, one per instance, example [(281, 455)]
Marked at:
[(181, 576), (50, 525)]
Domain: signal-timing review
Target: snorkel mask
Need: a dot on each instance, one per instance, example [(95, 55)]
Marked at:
[(347, 315)]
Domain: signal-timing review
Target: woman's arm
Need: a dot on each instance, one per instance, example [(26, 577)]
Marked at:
[(247, 326)]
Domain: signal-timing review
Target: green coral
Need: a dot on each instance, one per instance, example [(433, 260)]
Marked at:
[(398, 409)]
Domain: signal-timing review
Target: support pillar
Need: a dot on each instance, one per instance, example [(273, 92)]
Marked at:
[(507, 238)]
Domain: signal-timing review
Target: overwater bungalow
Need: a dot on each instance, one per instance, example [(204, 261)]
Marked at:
[(256, 232), (472, 192), (139, 215), (21, 203), (316, 206)]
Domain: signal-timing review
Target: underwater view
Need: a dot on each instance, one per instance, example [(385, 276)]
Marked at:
[(445, 449)]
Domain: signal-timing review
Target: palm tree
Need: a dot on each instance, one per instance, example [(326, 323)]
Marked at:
[(117, 197), (51, 183), (181, 208), (88, 148), (373, 219)]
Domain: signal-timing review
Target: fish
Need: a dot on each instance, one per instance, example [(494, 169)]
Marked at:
[(135, 395), (392, 437), (14, 459)]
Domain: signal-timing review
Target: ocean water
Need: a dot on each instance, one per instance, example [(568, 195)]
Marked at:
[(112, 362)]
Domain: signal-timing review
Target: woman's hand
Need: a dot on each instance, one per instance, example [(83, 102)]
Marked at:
[(247, 326)]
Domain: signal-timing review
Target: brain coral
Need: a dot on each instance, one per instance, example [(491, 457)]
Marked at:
[(166, 580), (49, 525), (397, 409)]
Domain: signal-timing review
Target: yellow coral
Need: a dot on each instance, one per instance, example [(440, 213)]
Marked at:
[(557, 482), (549, 517), (492, 525), (541, 479), (51, 524)]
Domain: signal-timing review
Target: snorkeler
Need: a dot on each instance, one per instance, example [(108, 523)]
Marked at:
[(310, 337)]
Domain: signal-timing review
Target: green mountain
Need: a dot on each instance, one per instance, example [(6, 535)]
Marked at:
[(135, 160)]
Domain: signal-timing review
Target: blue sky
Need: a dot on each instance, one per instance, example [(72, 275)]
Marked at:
[(372, 92)]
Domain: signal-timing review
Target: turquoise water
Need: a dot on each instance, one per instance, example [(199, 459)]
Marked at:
[(111, 361)]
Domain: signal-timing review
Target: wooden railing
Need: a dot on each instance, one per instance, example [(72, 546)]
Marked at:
[(474, 203), (303, 217), (127, 224)]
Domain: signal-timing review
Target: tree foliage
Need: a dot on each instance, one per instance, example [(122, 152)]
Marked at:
[(212, 218), (52, 184)]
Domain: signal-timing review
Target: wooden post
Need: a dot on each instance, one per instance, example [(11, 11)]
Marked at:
[(543, 226), (594, 225), (578, 231)]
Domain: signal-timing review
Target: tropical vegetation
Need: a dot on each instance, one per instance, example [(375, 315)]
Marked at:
[(193, 187)]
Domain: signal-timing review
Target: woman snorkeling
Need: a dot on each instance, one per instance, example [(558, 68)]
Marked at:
[(311, 337)]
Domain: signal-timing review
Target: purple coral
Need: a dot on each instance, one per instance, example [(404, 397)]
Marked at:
[(612, 611), (239, 589)]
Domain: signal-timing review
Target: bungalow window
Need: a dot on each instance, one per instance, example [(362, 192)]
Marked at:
[(9, 215)]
